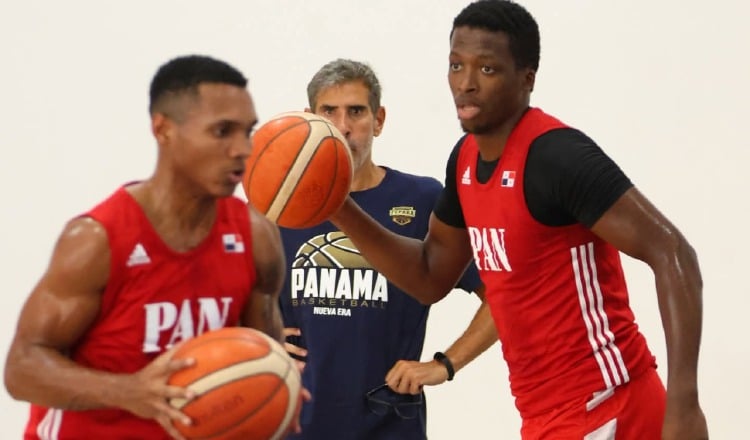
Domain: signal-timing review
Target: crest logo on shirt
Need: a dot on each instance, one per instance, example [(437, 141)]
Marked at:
[(233, 243), (508, 179), (402, 215), (466, 178)]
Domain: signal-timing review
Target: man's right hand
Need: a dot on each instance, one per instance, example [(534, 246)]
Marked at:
[(146, 393), (299, 352)]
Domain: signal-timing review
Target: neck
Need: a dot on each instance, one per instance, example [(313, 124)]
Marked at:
[(492, 143), (181, 217), (367, 176)]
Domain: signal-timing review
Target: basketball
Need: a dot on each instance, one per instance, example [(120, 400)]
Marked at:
[(333, 249), (246, 386), (299, 170)]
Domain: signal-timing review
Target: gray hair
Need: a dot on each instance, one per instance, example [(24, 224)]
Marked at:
[(342, 71)]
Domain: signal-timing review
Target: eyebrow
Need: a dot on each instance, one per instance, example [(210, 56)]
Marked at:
[(327, 107)]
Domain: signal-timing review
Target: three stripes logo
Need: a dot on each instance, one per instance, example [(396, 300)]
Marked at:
[(602, 340)]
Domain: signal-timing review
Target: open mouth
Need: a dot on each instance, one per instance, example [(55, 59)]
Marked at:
[(468, 111)]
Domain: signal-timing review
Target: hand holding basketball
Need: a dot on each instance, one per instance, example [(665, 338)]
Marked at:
[(299, 171), (146, 392), (246, 386)]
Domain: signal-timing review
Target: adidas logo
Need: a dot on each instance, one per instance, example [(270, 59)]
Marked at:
[(138, 256), (466, 178)]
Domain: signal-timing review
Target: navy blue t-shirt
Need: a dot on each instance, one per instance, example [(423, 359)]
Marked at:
[(354, 323)]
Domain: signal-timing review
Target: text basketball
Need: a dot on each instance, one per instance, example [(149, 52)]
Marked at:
[(246, 385), (299, 170)]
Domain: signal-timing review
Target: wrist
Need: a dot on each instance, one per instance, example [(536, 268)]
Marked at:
[(443, 359)]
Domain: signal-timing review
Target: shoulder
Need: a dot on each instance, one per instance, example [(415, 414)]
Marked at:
[(420, 182), (83, 247), (420, 187), (561, 146)]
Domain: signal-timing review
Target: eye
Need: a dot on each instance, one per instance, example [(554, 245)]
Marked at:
[(221, 130), (488, 70), (455, 67), (355, 111)]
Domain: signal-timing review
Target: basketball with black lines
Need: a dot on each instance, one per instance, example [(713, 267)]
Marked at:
[(246, 385), (299, 170), (333, 249)]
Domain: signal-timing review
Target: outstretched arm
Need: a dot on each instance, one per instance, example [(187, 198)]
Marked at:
[(410, 376), (636, 227), (426, 270), (60, 309), (262, 311)]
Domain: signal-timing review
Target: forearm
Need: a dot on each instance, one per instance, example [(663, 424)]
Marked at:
[(401, 259), (263, 314), (45, 377), (679, 289), (476, 339)]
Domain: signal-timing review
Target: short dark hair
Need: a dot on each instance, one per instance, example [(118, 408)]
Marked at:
[(510, 18), (184, 74)]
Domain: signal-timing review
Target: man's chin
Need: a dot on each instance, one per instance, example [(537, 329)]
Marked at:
[(474, 129)]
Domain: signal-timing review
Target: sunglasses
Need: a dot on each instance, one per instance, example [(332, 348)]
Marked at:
[(381, 400)]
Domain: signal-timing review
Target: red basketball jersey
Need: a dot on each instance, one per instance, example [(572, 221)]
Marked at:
[(154, 298), (557, 294)]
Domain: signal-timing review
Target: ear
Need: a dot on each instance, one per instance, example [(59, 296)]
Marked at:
[(530, 79), (162, 128), (379, 120)]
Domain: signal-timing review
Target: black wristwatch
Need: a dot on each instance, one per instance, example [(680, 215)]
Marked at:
[(443, 359)]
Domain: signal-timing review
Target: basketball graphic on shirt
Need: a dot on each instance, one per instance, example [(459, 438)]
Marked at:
[(333, 249)]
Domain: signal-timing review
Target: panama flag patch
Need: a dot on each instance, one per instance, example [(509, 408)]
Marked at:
[(233, 243), (508, 179)]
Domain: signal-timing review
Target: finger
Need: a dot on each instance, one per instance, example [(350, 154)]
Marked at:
[(295, 350), (415, 387), (179, 364), (300, 365), (173, 413), (291, 331), (174, 392), (166, 423), (306, 395), (396, 371)]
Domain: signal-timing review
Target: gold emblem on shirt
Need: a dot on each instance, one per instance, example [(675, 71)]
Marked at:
[(402, 215)]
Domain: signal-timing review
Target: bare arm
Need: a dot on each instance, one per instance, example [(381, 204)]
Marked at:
[(480, 335), (410, 376), (636, 227), (60, 309), (262, 311), (426, 270)]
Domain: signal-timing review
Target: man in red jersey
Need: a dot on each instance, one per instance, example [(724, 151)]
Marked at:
[(542, 212), (158, 262)]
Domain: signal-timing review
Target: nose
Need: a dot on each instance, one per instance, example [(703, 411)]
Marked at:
[(467, 81), (241, 147), (342, 123)]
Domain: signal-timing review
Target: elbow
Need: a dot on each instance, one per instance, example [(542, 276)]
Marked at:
[(11, 382), (675, 254), (430, 297)]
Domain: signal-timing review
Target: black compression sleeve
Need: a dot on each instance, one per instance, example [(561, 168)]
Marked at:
[(448, 208), (569, 179)]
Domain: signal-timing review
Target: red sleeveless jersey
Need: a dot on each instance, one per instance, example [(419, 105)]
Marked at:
[(154, 298), (557, 294)]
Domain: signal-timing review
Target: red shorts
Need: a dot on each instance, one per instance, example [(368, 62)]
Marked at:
[(634, 411)]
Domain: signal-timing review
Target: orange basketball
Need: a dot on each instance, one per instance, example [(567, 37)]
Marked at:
[(246, 384), (299, 170)]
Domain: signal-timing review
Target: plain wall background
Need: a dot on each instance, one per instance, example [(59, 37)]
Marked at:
[(661, 86)]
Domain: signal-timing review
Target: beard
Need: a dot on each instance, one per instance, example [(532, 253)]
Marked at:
[(476, 129)]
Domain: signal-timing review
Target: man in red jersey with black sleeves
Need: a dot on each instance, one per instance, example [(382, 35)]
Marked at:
[(542, 212), (156, 263)]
